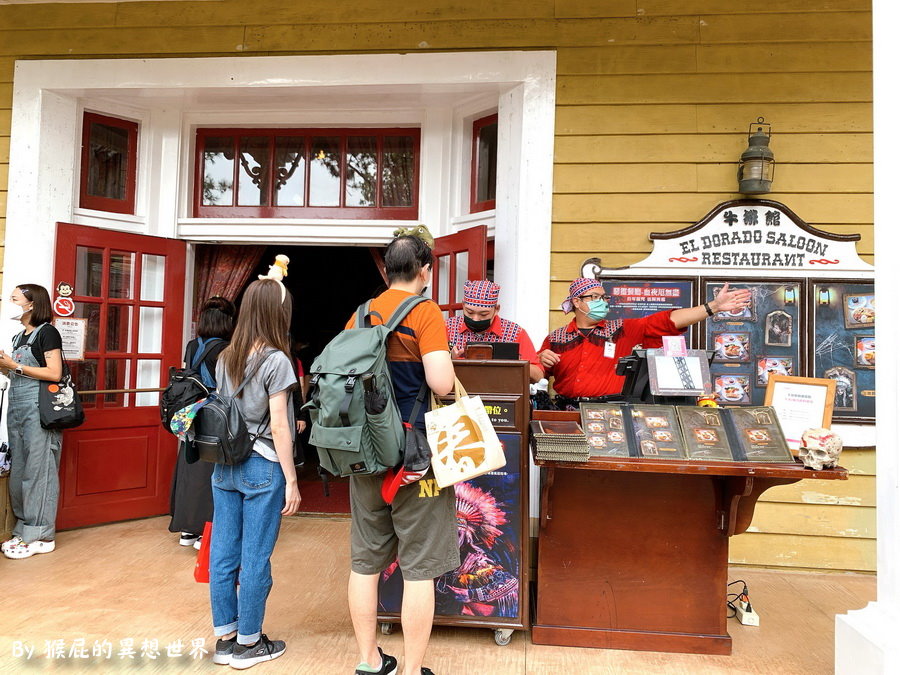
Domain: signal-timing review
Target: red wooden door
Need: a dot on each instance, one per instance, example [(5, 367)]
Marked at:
[(458, 258), (129, 290)]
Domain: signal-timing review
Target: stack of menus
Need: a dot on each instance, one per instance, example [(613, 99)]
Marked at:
[(750, 434)]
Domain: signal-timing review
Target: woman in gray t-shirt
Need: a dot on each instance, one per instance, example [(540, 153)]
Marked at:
[(250, 498)]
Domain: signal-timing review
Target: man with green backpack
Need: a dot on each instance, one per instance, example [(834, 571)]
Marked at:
[(390, 520)]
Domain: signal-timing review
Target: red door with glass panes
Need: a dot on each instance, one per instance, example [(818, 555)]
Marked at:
[(128, 290), (458, 258)]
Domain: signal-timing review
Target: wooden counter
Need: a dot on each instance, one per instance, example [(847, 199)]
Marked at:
[(633, 553)]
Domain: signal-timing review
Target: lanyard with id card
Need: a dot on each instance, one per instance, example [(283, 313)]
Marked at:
[(609, 349)]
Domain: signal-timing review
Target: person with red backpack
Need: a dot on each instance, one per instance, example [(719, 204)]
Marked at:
[(191, 503)]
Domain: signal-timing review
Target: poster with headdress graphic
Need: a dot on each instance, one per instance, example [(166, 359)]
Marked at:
[(487, 582)]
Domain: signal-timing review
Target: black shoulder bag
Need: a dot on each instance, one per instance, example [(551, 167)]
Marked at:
[(58, 401)]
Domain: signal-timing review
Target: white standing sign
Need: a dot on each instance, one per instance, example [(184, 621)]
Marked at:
[(74, 335)]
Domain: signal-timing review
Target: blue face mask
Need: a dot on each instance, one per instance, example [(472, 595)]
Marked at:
[(597, 310)]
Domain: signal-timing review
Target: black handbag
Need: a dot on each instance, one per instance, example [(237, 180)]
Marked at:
[(59, 403)]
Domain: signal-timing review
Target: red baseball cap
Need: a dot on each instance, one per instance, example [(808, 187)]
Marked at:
[(416, 462)]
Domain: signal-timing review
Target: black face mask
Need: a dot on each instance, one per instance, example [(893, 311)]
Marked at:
[(477, 326)]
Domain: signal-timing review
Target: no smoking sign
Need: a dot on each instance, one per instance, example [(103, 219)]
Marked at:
[(64, 306)]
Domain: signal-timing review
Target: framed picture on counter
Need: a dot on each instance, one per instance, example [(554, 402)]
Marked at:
[(801, 403)]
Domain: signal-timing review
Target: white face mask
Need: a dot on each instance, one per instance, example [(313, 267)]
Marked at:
[(17, 311)]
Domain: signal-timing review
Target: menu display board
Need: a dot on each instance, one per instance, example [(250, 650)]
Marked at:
[(844, 328), (754, 342)]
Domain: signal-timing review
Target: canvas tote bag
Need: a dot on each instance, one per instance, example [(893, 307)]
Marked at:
[(463, 441)]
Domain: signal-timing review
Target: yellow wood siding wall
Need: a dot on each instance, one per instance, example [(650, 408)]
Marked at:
[(653, 102)]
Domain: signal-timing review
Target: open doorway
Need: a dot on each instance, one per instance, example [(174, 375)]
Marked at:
[(327, 284)]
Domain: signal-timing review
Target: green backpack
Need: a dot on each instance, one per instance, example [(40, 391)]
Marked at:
[(350, 440)]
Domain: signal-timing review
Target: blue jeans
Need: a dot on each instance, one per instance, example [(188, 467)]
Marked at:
[(247, 503)]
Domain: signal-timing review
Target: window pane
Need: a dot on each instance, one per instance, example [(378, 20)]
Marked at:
[(362, 170), (218, 171), (116, 377), (88, 271), (153, 276), (107, 161), (253, 178), (147, 378), (486, 178), (118, 330), (91, 312), (84, 373), (462, 271), (397, 171), (290, 170), (150, 330), (325, 172), (121, 274), (443, 263)]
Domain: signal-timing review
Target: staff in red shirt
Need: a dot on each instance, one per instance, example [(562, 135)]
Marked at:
[(582, 355), (481, 322)]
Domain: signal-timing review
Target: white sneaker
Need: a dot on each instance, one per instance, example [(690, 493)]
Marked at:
[(9, 543), (188, 539), (23, 550), (198, 543)]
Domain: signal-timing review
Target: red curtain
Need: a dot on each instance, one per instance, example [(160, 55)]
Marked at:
[(224, 270)]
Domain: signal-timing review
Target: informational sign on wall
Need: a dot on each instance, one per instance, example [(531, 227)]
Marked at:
[(74, 335), (812, 309)]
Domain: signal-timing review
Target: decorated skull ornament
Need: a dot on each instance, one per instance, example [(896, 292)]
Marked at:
[(820, 448)]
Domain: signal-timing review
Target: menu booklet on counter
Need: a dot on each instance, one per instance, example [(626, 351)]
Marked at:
[(733, 434), (758, 434), (560, 440), (616, 430), (604, 429), (704, 433), (656, 431)]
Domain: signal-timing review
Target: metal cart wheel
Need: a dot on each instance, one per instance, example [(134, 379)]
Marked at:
[(503, 636), (387, 628)]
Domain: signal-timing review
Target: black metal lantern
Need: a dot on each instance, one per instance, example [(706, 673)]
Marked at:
[(757, 167)]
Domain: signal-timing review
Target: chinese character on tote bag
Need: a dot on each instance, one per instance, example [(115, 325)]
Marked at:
[(463, 441)]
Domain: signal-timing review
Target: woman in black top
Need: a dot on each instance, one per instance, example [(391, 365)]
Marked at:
[(34, 451), (191, 504)]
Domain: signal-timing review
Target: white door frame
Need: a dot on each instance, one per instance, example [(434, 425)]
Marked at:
[(170, 96)]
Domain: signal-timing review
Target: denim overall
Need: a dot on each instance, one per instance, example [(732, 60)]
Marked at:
[(34, 469)]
